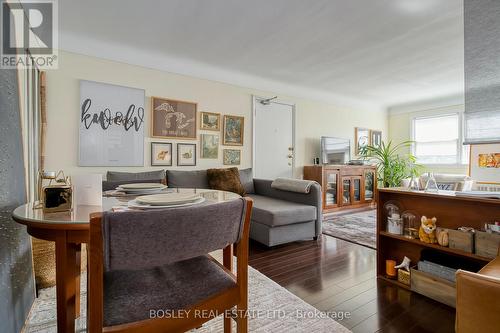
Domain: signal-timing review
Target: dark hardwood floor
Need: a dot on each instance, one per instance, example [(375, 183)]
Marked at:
[(334, 275)]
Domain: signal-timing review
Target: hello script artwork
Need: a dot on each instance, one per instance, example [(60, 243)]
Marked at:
[(111, 125)]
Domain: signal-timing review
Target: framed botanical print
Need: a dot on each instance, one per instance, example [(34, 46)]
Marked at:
[(362, 139), (186, 154), (232, 157), (161, 154), (376, 138), (233, 130), (210, 121), (209, 146), (173, 119)]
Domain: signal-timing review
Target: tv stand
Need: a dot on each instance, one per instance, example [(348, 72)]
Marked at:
[(344, 186)]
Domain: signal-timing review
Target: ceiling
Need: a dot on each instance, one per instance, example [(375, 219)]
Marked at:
[(372, 52)]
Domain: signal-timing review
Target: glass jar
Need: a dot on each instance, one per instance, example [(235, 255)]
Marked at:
[(410, 224), (394, 221)]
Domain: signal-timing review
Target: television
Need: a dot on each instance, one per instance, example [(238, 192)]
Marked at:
[(335, 150)]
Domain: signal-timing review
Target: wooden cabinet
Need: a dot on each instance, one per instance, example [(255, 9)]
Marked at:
[(344, 186)]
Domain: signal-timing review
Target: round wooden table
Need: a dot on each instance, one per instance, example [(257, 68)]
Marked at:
[(69, 230)]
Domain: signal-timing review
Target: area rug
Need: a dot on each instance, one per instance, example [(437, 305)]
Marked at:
[(359, 228), (272, 308)]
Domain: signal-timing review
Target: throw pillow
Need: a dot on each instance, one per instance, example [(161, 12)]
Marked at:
[(225, 180), (246, 178)]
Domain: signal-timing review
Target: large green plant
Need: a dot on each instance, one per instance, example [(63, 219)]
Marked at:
[(391, 166)]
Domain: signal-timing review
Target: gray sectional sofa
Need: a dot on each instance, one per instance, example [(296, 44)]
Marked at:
[(278, 216)]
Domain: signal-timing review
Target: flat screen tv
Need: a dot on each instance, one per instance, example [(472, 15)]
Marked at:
[(335, 150)]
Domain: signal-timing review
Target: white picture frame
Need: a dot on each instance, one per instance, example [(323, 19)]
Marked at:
[(480, 172)]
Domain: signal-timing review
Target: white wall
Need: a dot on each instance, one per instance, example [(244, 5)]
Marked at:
[(314, 119)]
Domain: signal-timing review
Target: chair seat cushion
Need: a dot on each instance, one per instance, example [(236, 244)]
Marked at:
[(130, 295), (275, 212)]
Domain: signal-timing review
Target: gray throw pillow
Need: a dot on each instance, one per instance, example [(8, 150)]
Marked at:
[(125, 176), (190, 179), (246, 179)]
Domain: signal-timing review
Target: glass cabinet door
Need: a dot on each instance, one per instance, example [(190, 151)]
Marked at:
[(356, 195), (369, 185), (331, 194), (346, 191)]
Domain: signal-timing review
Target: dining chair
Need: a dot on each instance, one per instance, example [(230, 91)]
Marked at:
[(150, 271)]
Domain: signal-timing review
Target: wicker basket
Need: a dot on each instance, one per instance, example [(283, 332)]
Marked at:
[(44, 262)]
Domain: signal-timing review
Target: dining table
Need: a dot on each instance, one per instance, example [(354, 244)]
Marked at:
[(70, 229)]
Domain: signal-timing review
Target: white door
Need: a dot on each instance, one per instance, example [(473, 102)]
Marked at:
[(273, 139)]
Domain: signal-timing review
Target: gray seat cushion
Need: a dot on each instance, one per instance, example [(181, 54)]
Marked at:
[(130, 295), (246, 179), (190, 179), (275, 212), (125, 176)]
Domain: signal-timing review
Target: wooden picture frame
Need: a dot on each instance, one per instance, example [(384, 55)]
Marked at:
[(361, 139), (209, 146), (173, 119), (207, 122), (183, 160), (163, 157), (231, 156), (233, 128)]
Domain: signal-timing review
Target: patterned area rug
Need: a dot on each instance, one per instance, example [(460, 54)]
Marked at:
[(359, 228), (272, 308)]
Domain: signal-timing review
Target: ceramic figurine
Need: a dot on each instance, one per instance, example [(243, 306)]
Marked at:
[(427, 232), (405, 264)]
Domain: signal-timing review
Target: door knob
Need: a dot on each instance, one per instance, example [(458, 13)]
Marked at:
[(290, 155)]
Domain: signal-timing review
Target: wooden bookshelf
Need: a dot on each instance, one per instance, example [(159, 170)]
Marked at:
[(451, 212)]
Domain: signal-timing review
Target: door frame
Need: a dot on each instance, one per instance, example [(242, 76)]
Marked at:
[(257, 99)]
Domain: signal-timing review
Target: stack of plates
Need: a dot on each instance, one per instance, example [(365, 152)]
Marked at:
[(166, 200), (141, 188)]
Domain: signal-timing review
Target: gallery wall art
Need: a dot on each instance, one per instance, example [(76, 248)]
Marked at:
[(362, 139), (233, 130), (210, 121), (186, 154), (111, 125), (485, 163), (209, 146), (161, 154), (231, 157), (173, 119)]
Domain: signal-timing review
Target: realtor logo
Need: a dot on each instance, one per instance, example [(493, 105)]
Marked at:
[(29, 34)]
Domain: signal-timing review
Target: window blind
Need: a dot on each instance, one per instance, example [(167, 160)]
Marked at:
[(482, 72)]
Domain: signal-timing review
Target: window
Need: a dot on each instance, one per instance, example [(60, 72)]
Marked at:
[(438, 140)]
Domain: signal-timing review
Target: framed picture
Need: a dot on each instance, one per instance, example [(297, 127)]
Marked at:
[(232, 156), (111, 130), (376, 138), (362, 139), (173, 119), (161, 153), (210, 121), (233, 130), (484, 164), (209, 146), (186, 154)]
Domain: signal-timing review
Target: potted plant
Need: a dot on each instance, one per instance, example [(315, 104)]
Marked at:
[(391, 166)]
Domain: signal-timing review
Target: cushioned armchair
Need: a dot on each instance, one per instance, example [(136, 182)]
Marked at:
[(478, 299), (145, 261)]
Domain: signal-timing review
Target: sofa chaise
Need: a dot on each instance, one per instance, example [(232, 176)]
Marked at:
[(278, 216)]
